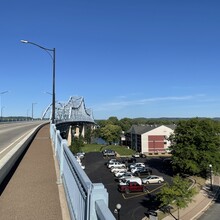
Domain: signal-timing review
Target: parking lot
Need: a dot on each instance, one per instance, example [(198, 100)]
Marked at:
[(133, 205)]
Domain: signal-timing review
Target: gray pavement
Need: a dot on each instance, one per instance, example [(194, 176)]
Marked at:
[(32, 191)]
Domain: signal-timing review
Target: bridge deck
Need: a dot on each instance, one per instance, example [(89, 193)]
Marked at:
[(32, 191)]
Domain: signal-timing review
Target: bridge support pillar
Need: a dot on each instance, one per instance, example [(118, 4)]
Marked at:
[(69, 138)]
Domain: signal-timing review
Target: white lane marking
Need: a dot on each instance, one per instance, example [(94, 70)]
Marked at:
[(14, 142)]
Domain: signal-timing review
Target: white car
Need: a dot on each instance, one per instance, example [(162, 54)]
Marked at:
[(116, 164), (136, 155), (81, 155), (113, 160), (126, 176), (117, 169), (120, 173), (137, 165), (153, 179)]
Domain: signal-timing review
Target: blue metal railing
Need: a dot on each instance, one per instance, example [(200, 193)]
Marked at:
[(86, 200)]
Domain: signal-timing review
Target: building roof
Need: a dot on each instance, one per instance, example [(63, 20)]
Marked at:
[(141, 129)]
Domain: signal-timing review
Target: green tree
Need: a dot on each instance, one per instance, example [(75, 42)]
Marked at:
[(88, 134), (179, 194), (110, 133), (113, 120), (195, 145), (125, 124), (77, 144)]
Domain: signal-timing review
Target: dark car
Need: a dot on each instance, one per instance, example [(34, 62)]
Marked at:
[(143, 172)]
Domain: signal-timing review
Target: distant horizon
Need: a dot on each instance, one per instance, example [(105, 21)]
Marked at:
[(168, 118)]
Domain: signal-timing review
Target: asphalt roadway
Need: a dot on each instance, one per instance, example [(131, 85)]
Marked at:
[(134, 206)]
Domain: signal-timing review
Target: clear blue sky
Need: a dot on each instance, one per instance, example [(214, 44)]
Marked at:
[(127, 58)]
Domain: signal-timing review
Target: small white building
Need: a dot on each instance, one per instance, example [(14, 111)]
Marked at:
[(149, 138)]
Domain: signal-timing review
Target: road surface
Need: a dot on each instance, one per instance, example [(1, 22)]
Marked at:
[(12, 133)]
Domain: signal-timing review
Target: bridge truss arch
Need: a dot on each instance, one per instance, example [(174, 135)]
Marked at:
[(74, 110)]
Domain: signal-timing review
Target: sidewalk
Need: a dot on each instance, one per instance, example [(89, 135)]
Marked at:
[(32, 192), (200, 203)]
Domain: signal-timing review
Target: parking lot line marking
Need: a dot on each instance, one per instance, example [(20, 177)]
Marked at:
[(157, 188), (135, 195)]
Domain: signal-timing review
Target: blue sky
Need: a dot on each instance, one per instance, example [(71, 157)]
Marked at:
[(127, 58)]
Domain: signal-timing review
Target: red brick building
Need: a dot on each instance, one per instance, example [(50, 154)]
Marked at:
[(149, 138)]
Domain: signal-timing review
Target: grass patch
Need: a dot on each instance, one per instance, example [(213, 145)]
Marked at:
[(121, 150), (87, 148)]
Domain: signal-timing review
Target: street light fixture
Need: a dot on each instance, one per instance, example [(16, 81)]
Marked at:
[(210, 167), (2, 93), (48, 50), (118, 208)]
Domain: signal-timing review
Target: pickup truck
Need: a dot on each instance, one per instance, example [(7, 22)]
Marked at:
[(132, 185)]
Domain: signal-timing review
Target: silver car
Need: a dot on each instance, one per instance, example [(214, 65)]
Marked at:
[(153, 179)]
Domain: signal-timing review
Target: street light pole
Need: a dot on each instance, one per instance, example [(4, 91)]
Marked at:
[(210, 167), (118, 208), (2, 112), (2, 93), (33, 110), (48, 50)]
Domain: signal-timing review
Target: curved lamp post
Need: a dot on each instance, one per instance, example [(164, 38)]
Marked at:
[(210, 167), (53, 59)]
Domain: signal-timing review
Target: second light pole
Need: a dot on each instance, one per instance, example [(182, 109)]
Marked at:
[(33, 110), (210, 167), (54, 60)]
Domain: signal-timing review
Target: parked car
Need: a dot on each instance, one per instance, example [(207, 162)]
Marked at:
[(132, 185), (117, 169), (137, 165), (127, 175), (137, 155), (153, 179), (143, 172), (116, 164), (80, 163), (129, 160), (108, 152), (81, 155), (111, 161), (136, 169), (120, 173), (167, 161)]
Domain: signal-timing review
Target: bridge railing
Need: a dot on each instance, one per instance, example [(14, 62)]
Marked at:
[(86, 200)]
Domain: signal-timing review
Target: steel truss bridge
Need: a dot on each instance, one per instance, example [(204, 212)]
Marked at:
[(74, 110)]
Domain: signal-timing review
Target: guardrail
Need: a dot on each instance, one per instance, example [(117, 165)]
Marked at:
[(86, 200)]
